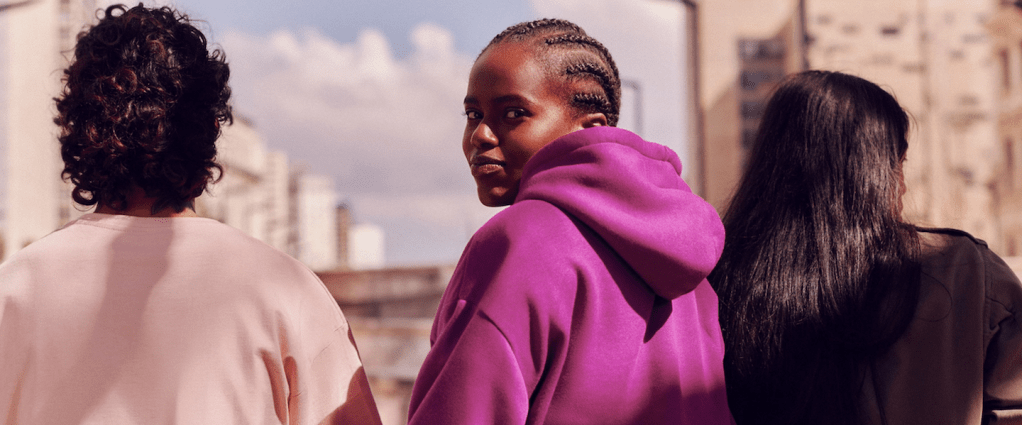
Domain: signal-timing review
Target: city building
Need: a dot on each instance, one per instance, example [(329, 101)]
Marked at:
[(36, 39), (316, 221), (254, 194), (366, 247), (391, 313), (939, 59), (745, 47), (936, 57), (1005, 28)]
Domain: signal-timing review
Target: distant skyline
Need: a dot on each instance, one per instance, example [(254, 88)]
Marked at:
[(369, 93)]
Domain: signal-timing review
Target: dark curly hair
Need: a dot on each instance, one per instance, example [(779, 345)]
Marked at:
[(142, 106), (584, 63)]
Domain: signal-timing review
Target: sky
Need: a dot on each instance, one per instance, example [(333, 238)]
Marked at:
[(370, 94)]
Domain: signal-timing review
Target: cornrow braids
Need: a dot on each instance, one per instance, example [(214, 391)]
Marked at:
[(585, 64)]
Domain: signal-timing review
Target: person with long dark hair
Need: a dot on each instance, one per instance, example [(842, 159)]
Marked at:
[(834, 309), (143, 312)]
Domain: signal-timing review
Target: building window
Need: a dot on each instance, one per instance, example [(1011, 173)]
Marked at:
[(1005, 59), (761, 49), (762, 67), (752, 110), (749, 137), (968, 100), (751, 80), (890, 30), (975, 38), (1007, 70), (1009, 163)]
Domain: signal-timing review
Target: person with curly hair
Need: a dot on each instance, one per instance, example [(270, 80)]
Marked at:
[(143, 312)]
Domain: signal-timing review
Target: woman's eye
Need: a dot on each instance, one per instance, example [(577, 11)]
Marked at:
[(473, 115), (514, 113)]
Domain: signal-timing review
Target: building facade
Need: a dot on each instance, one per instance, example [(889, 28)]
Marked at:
[(253, 194), (35, 44), (1005, 30), (935, 56), (744, 47), (938, 57)]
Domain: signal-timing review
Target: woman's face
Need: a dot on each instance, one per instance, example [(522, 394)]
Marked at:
[(512, 110)]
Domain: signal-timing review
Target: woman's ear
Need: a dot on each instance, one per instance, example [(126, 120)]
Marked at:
[(594, 120)]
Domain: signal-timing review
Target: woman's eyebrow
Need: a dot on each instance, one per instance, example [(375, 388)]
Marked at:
[(500, 99)]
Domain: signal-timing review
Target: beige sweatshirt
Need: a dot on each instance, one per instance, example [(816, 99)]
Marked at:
[(125, 320)]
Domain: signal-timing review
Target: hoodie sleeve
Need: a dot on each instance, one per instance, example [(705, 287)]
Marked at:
[(470, 376), (503, 321)]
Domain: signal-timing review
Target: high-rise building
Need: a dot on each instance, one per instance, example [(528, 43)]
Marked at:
[(316, 221), (36, 38), (254, 193), (745, 48), (1005, 28)]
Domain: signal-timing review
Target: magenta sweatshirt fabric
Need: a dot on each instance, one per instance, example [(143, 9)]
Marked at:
[(584, 302)]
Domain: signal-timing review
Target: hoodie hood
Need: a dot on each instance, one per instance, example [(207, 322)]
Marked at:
[(630, 192)]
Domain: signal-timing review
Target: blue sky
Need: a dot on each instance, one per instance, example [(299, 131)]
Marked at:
[(369, 93), (469, 21)]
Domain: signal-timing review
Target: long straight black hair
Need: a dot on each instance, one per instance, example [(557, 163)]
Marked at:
[(819, 275)]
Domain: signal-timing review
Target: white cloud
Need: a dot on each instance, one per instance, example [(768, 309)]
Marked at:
[(387, 129), (376, 123)]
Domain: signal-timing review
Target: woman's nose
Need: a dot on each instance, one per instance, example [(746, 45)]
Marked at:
[(483, 136)]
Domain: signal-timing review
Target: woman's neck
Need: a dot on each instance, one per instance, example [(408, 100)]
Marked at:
[(139, 205)]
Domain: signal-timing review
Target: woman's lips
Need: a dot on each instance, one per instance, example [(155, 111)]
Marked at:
[(482, 166)]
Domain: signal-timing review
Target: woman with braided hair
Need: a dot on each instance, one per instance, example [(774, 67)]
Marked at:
[(584, 301)]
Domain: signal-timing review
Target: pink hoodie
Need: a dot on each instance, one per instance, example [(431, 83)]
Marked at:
[(585, 301)]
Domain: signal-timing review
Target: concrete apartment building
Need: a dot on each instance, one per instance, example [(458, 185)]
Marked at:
[(939, 58), (35, 42), (1005, 29), (936, 57)]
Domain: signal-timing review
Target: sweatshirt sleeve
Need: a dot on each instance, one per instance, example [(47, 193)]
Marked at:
[(503, 321), (350, 389), (470, 376), (1002, 386), (326, 383)]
